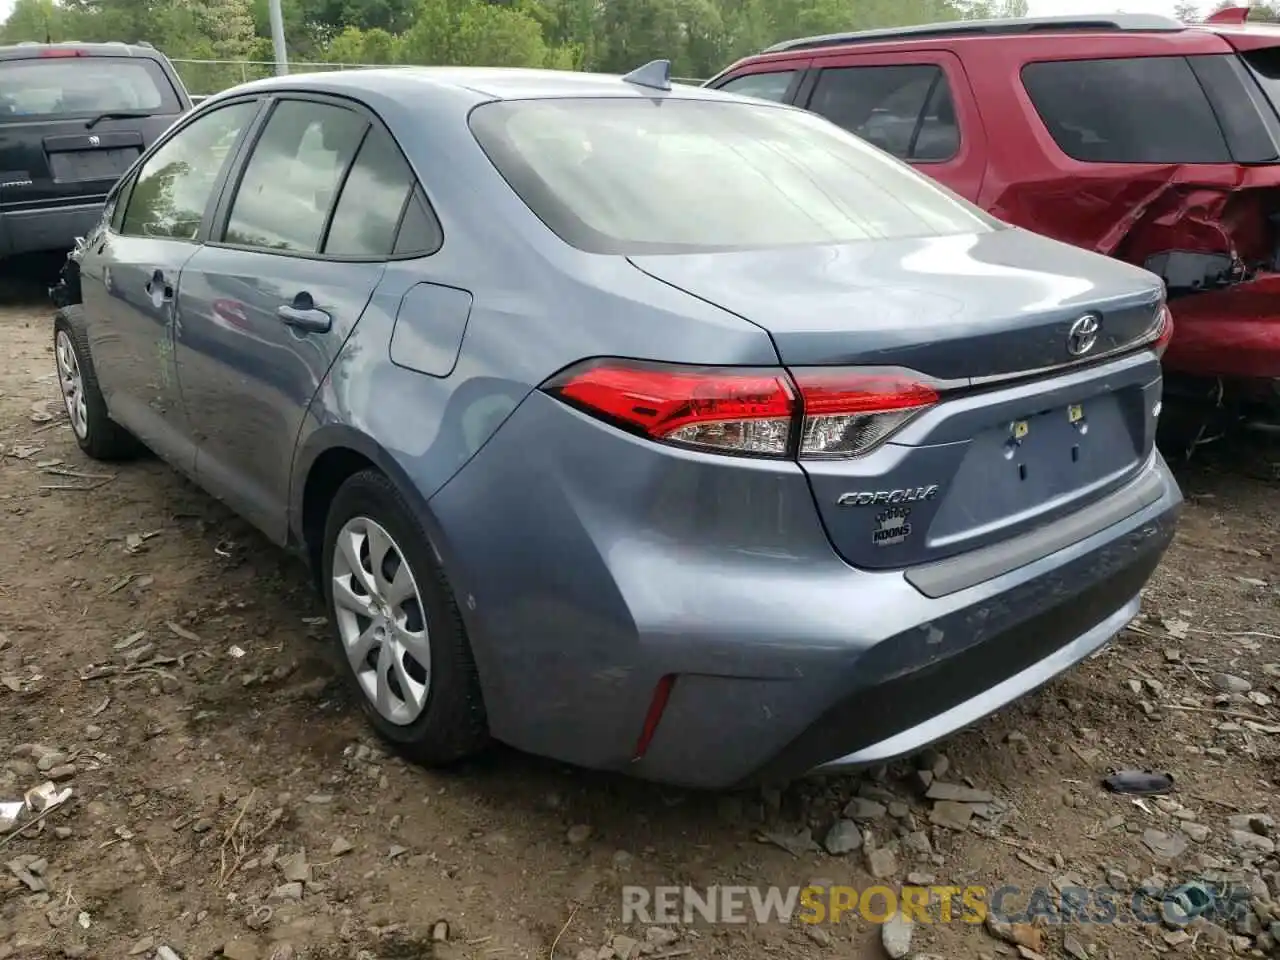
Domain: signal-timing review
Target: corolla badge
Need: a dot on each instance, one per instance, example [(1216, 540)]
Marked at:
[(868, 498), (1083, 334)]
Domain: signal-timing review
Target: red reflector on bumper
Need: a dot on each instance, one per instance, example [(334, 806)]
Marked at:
[(661, 694)]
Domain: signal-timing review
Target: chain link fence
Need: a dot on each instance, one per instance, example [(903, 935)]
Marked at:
[(203, 78)]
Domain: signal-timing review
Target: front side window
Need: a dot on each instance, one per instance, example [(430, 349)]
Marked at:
[(1132, 110), (906, 110), (174, 185), (292, 177), (52, 87), (766, 86), (673, 175)]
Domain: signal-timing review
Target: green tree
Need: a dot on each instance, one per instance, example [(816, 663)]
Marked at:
[(471, 33), (700, 37), (35, 20)]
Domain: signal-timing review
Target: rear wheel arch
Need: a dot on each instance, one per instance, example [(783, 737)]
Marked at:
[(326, 460)]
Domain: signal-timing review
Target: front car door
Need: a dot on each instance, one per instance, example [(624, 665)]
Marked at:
[(299, 242), (130, 275), (917, 106)]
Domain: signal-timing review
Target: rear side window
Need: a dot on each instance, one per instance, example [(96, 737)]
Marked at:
[(420, 232), (905, 110), (293, 175), (1135, 110), (50, 87), (675, 176), (373, 198), (766, 86)]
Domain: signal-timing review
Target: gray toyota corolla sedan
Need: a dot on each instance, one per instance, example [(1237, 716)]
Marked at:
[(649, 428)]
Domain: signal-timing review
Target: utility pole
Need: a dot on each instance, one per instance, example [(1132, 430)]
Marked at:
[(277, 37)]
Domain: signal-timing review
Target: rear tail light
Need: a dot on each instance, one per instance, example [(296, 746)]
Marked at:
[(848, 412), (1164, 331), (731, 409), (61, 52), (764, 412)]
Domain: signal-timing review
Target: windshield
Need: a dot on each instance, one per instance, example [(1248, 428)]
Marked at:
[(83, 87), (672, 176)]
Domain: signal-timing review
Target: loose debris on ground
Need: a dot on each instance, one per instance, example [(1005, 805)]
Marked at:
[(181, 776)]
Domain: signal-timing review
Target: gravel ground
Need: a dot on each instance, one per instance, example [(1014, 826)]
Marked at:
[(172, 669)]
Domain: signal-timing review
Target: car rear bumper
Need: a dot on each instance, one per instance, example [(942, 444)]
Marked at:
[(46, 228), (785, 659), (1233, 332), (895, 696)]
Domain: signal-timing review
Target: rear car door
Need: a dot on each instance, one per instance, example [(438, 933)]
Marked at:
[(64, 143), (300, 241), (130, 275), (917, 106)]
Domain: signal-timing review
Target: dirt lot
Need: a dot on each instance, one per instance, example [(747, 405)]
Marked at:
[(167, 664)]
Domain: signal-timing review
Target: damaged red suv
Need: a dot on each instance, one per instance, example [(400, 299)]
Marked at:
[(1137, 136)]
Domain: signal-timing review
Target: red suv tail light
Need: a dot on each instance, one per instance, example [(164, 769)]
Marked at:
[(61, 52), (764, 412)]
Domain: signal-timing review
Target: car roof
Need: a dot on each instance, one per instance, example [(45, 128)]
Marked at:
[(1164, 34), (114, 48), (1001, 27), (476, 84)]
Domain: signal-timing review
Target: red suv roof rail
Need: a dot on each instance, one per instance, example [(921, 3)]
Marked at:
[(1119, 22), (1235, 15)]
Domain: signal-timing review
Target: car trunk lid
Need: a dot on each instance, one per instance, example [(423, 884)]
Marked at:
[(1025, 431), (968, 307)]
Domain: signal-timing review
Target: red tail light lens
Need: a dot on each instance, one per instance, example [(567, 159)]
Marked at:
[(823, 413), (1164, 331), (61, 52), (729, 409), (848, 412)]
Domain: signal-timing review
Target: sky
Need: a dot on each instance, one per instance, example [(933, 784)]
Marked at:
[(1047, 8), (1038, 8)]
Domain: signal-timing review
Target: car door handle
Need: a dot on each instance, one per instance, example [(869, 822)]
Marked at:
[(158, 285), (308, 320)]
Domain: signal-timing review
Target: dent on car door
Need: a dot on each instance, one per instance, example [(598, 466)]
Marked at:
[(131, 275), (298, 247), (922, 112)]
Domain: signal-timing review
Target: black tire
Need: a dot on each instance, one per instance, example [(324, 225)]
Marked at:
[(104, 439), (452, 725)]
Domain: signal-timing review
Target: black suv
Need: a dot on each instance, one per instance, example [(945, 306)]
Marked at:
[(73, 117)]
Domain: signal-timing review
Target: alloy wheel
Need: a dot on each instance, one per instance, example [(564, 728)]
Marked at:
[(381, 620), (72, 384)]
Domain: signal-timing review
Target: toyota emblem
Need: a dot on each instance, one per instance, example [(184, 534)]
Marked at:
[(94, 141), (1083, 334)]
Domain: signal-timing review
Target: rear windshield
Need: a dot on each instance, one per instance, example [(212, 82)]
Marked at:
[(54, 87), (676, 176)]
